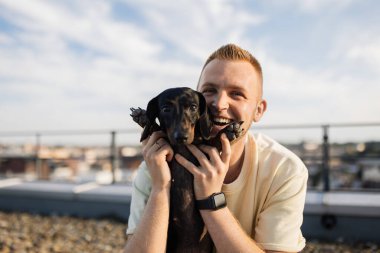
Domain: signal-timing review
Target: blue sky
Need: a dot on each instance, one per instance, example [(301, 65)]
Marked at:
[(82, 64)]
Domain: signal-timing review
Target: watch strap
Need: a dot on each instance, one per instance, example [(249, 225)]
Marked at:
[(214, 202)]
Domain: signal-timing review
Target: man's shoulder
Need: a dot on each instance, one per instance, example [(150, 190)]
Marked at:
[(269, 150), (268, 145)]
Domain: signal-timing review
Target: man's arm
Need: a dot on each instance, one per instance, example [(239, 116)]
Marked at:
[(225, 231), (227, 234), (151, 233)]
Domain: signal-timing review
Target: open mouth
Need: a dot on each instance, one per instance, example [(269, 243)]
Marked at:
[(220, 121)]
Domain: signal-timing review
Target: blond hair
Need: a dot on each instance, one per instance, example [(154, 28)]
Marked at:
[(232, 52)]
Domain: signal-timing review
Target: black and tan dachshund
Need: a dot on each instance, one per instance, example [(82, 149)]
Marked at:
[(183, 115)]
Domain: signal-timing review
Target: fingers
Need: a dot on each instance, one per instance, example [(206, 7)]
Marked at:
[(226, 149), (162, 148), (168, 151), (211, 152), (156, 143), (211, 172), (209, 160), (201, 157), (149, 142), (153, 138), (187, 165)]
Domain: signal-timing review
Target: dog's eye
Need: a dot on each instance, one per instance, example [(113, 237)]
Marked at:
[(165, 109), (193, 107)]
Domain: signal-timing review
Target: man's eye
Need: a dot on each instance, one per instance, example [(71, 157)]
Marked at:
[(237, 94), (208, 91)]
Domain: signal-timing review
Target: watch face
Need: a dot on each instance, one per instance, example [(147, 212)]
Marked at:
[(220, 200)]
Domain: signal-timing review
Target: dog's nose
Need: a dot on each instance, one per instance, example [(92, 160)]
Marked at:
[(181, 137)]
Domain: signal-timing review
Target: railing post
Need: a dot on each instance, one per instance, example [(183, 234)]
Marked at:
[(113, 155), (326, 159), (37, 153)]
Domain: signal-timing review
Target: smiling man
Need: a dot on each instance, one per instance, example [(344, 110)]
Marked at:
[(251, 195)]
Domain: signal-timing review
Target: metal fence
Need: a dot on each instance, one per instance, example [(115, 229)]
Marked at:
[(320, 158), (323, 157)]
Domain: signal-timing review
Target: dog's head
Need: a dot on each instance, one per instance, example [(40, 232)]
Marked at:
[(182, 114)]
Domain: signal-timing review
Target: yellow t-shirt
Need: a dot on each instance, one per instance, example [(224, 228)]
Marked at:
[(267, 198)]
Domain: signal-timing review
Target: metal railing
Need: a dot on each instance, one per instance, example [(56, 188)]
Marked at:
[(113, 157), (325, 142), (39, 134)]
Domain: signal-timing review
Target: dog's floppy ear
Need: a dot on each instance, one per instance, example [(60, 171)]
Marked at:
[(151, 115), (204, 123)]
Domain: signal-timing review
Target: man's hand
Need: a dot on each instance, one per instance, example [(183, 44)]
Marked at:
[(157, 152), (209, 177)]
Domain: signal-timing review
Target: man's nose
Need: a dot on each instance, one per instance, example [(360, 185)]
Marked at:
[(220, 101)]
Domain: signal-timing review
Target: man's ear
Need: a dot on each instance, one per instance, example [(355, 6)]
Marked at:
[(151, 114), (261, 107), (204, 123)]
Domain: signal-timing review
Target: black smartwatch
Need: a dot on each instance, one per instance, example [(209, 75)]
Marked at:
[(214, 202)]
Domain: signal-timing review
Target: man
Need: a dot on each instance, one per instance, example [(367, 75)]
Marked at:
[(264, 183)]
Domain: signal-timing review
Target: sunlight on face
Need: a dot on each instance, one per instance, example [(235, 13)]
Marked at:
[(232, 92)]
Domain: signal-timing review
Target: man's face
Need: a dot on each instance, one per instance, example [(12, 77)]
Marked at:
[(232, 92)]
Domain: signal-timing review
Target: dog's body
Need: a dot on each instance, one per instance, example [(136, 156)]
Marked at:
[(183, 116)]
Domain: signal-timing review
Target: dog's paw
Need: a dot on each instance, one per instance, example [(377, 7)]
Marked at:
[(234, 130), (139, 116)]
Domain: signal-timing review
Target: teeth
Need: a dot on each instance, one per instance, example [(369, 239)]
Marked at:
[(222, 120)]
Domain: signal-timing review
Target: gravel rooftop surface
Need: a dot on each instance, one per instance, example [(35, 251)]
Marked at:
[(30, 233)]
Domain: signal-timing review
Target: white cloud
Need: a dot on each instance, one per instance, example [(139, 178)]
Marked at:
[(119, 65), (356, 52), (5, 39), (197, 29), (118, 52), (367, 52), (297, 95), (92, 26), (73, 65), (314, 6)]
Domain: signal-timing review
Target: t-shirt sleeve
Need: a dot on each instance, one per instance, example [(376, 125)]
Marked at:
[(279, 223), (140, 194)]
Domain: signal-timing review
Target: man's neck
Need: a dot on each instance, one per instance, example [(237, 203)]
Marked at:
[(236, 161)]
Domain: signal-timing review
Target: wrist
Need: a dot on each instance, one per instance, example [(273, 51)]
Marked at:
[(206, 194), (160, 188), (160, 183), (213, 202)]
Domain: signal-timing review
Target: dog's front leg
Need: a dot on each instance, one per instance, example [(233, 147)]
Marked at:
[(139, 116)]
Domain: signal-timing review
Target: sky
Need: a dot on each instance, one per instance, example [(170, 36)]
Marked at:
[(74, 65)]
